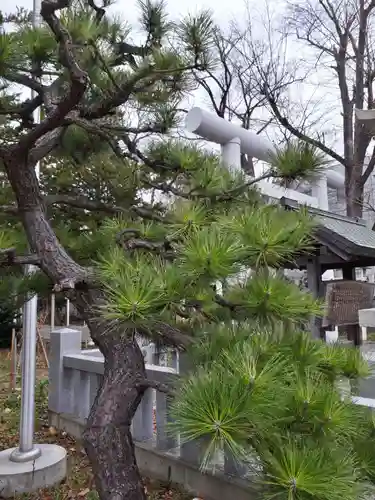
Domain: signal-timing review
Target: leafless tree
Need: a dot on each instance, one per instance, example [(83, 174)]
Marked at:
[(340, 36), (231, 85)]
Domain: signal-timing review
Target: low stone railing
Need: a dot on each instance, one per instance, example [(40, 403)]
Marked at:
[(74, 379)]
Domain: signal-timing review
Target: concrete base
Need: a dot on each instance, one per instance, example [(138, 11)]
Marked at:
[(47, 470)]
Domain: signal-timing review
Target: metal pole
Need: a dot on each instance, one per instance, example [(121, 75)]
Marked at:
[(13, 361), (53, 307), (67, 312), (27, 451)]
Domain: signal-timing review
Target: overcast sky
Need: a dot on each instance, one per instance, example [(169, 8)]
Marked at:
[(128, 8)]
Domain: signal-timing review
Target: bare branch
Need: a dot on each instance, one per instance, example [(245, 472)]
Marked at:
[(10, 258), (82, 202), (24, 80), (297, 133), (369, 169), (153, 384)]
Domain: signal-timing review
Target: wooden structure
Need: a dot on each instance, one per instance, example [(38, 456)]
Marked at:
[(341, 243)]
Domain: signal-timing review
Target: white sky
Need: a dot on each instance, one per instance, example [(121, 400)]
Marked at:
[(128, 8)]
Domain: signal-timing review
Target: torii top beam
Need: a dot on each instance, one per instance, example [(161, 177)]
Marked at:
[(215, 129)]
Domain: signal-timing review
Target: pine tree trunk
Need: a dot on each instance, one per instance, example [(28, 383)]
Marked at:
[(107, 437)]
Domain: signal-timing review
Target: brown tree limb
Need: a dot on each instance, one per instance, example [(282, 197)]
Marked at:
[(45, 145), (12, 259), (369, 169), (24, 80), (143, 385), (300, 135), (169, 334), (78, 77), (84, 203)]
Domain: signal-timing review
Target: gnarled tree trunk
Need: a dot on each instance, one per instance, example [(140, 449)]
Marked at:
[(107, 438)]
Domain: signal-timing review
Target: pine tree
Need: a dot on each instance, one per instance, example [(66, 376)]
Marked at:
[(155, 268)]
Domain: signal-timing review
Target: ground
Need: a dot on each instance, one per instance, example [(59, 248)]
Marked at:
[(79, 483)]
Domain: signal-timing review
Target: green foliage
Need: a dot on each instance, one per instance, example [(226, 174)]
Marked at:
[(254, 396), (179, 268), (298, 160), (260, 387)]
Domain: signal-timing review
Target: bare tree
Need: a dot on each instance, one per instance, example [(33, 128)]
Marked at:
[(230, 85), (340, 36)]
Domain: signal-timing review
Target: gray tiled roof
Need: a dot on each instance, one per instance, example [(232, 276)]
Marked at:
[(356, 233), (350, 236)]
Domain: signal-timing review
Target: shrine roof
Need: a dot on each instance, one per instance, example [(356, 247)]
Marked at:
[(346, 237)]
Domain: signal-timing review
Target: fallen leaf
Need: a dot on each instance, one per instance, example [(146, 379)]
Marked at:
[(84, 492), (52, 431)]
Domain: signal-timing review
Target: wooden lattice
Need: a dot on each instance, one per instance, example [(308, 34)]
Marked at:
[(344, 299)]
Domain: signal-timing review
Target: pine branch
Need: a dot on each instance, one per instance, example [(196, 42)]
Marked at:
[(297, 133), (129, 239), (78, 77), (9, 209), (169, 334), (10, 258), (102, 108), (97, 129), (99, 11), (224, 303), (153, 384), (119, 98), (45, 145), (24, 80), (83, 203)]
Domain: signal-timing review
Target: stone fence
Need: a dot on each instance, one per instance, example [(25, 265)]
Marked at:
[(74, 379)]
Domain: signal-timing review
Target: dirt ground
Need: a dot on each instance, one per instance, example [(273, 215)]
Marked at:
[(79, 483)]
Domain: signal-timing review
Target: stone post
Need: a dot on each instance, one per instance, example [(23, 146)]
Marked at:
[(63, 341)]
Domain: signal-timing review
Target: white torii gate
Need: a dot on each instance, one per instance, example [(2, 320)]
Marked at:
[(235, 140)]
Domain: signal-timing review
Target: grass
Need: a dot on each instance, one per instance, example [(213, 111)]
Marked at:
[(79, 484)]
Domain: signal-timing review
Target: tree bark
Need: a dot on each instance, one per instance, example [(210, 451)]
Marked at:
[(354, 197), (107, 437)]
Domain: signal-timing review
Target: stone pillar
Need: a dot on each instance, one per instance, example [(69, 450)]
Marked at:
[(314, 285), (231, 155), (63, 341), (319, 190)]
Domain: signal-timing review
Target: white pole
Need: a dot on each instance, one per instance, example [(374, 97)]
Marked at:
[(53, 308), (231, 154), (26, 451), (13, 361), (319, 189), (67, 312)]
